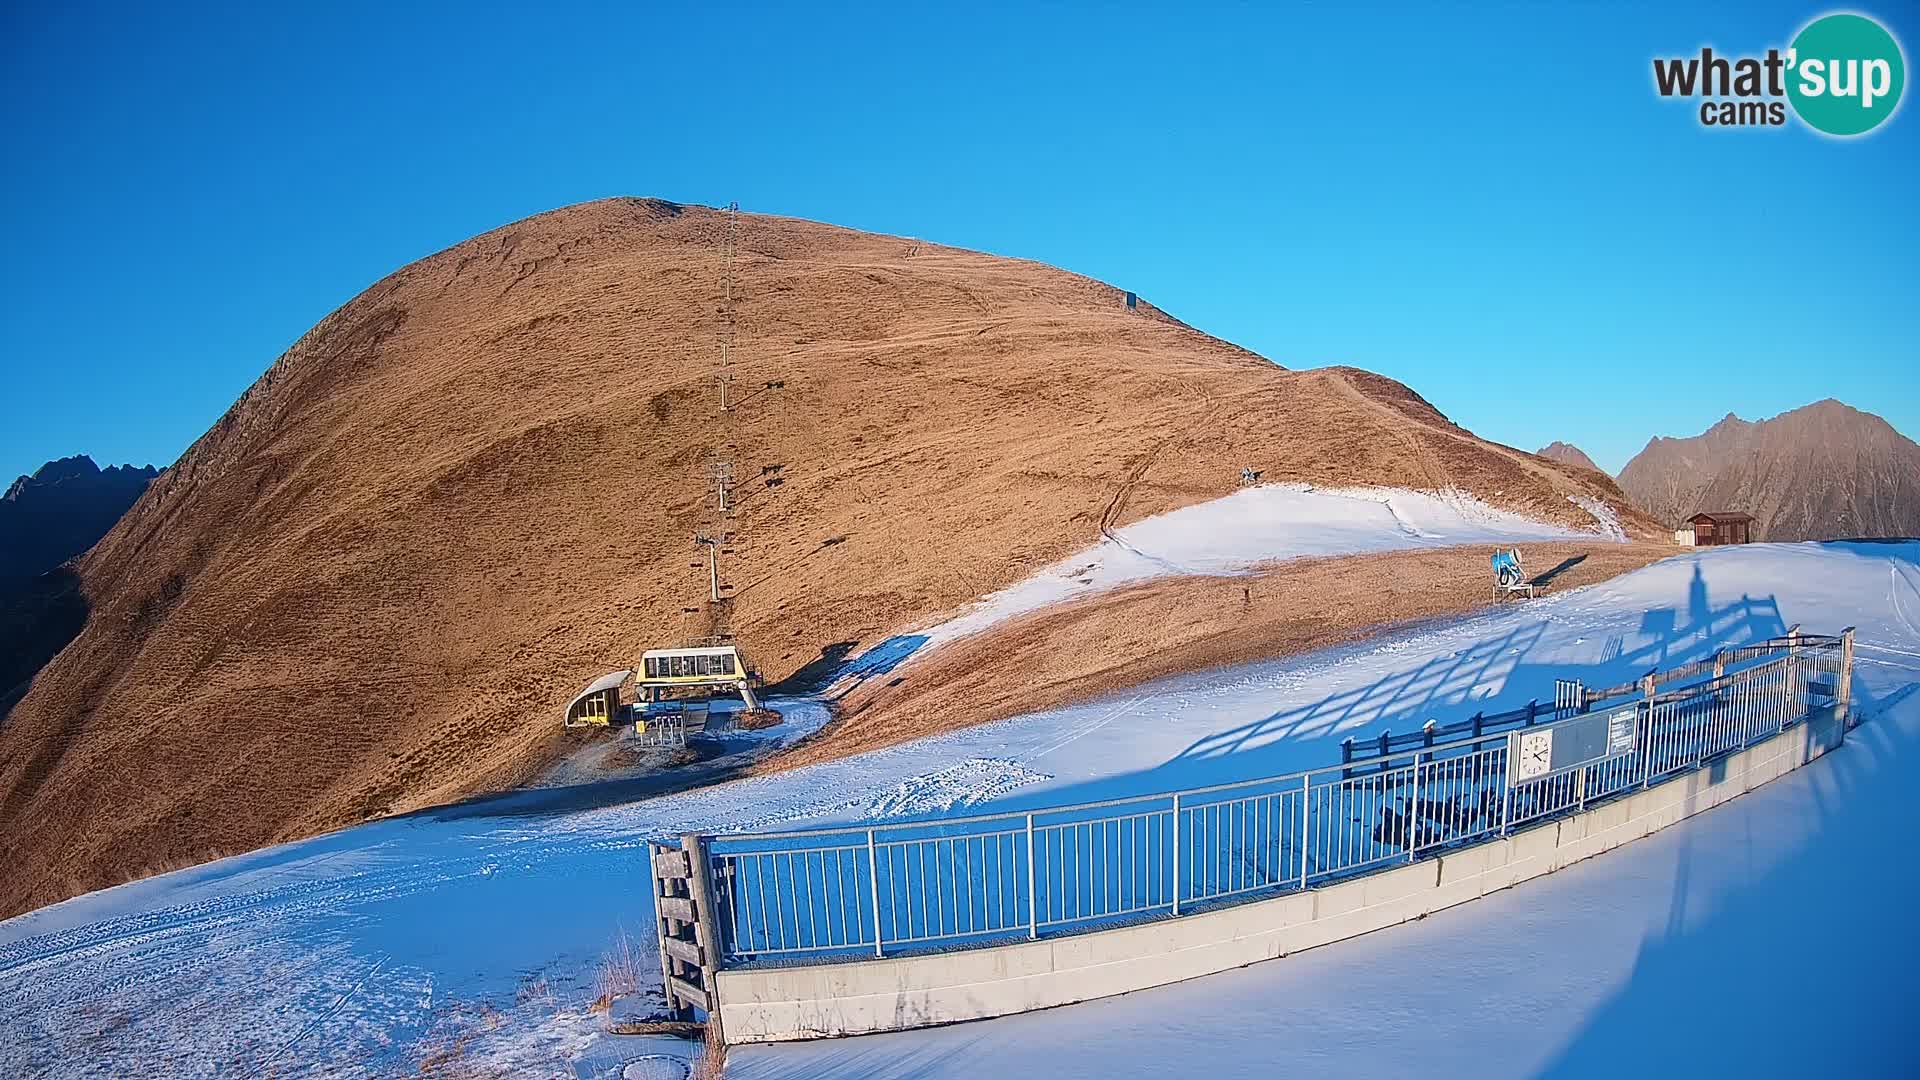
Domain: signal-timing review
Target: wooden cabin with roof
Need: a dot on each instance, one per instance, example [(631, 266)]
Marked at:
[(1721, 527)]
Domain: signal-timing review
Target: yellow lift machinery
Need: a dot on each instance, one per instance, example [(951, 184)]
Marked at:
[(718, 666), (663, 675)]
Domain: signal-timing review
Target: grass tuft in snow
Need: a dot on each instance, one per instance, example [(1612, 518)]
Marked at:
[(620, 973), (712, 1063)]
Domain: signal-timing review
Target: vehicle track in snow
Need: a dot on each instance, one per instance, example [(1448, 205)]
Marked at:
[(1897, 579)]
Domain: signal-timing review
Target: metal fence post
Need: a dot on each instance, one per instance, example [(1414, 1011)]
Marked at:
[(1413, 810), (1789, 691), (1176, 853), (1646, 759), (1033, 901), (1845, 697), (1701, 741), (1740, 717), (873, 881), (1506, 799), (1580, 788), (1306, 797)]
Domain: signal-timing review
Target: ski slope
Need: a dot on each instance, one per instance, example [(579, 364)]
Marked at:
[(1265, 524), (469, 937)]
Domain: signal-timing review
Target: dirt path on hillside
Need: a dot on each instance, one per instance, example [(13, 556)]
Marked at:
[(1180, 624)]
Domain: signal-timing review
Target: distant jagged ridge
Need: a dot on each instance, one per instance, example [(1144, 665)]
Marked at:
[(46, 519), (1820, 472), (63, 509)]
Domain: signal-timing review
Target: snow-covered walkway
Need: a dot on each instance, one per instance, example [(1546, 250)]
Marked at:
[(472, 934)]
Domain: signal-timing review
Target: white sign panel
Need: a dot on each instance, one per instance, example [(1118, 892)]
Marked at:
[(1621, 726), (1536, 753)]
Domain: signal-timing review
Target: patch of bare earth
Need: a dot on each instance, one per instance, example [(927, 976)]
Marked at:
[(1174, 625)]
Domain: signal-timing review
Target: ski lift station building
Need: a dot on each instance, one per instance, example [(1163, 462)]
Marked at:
[(663, 673)]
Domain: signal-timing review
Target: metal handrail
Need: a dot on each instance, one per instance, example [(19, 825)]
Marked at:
[(1787, 643), (1357, 764), (942, 882)]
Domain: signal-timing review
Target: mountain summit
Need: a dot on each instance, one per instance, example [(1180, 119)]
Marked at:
[(1568, 454), (373, 584), (1822, 471)]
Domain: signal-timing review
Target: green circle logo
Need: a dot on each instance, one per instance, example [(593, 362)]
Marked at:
[(1846, 74)]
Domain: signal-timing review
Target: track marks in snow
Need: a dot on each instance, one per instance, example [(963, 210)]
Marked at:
[(1096, 724), (339, 1003), (1895, 580), (963, 784), (968, 783)]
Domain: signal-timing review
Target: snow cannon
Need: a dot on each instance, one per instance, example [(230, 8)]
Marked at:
[(1506, 567), (1510, 575)]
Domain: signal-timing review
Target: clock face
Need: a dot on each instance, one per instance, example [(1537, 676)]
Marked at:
[(1536, 755)]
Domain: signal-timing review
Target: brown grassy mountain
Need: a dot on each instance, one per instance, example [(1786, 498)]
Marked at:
[(1819, 472), (373, 583), (1568, 454)]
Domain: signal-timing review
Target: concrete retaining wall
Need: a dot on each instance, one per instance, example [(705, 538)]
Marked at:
[(893, 994)]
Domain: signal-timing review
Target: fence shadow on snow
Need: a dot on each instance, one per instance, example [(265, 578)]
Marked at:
[(1072, 866), (1724, 958)]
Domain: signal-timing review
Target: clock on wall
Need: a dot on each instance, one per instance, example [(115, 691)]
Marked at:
[(1535, 755)]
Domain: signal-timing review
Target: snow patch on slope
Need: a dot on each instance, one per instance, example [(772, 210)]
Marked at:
[(1265, 524), (1604, 516)]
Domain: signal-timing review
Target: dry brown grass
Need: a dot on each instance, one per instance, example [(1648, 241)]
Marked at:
[(535, 990), (1179, 624), (712, 1063), (445, 1053), (371, 585), (620, 973)]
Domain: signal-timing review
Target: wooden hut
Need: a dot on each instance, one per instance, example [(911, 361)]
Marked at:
[(1721, 528)]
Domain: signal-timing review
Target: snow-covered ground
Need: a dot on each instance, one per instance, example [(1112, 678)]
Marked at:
[(1747, 938), (1771, 937), (1267, 524)]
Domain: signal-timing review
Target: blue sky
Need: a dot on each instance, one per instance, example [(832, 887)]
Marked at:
[(1490, 205)]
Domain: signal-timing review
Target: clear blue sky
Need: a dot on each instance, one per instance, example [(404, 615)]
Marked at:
[(1491, 205)]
